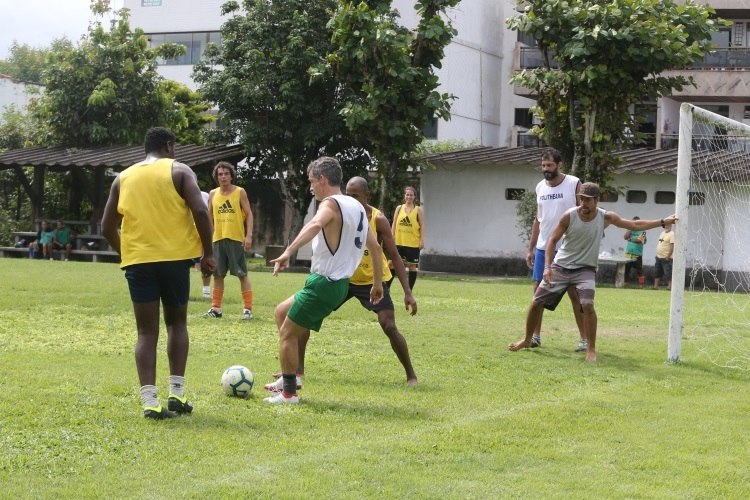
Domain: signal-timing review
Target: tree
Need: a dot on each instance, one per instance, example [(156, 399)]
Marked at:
[(27, 63), (600, 58), (105, 92), (259, 79), (387, 73)]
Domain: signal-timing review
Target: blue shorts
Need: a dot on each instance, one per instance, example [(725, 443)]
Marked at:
[(168, 281), (538, 272)]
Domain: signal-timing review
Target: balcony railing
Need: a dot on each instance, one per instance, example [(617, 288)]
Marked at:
[(716, 59)]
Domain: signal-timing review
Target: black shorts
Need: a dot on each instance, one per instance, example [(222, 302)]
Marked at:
[(362, 293), (410, 255), (168, 281)]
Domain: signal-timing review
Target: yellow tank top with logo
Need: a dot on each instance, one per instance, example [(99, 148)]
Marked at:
[(229, 218), (363, 274), (408, 228), (157, 224)]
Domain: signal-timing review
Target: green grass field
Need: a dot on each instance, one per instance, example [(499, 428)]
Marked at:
[(483, 422)]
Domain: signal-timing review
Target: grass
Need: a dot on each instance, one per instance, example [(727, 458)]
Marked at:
[(483, 423)]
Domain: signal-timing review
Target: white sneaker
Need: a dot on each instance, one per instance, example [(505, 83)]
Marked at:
[(278, 385), (281, 399), (247, 314)]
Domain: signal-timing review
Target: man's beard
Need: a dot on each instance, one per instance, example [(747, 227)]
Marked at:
[(551, 175)]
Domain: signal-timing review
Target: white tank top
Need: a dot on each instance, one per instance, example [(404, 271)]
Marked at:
[(339, 263), (551, 204), (581, 242)]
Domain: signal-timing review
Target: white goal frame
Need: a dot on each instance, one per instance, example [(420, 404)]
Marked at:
[(688, 114)]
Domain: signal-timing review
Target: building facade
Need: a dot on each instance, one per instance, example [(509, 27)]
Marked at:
[(476, 68)]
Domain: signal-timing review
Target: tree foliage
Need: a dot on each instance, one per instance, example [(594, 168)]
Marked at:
[(388, 76), (259, 79), (27, 63), (600, 58), (106, 91)]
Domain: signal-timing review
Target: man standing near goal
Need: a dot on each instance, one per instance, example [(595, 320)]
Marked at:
[(580, 229), (164, 225), (555, 194), (338, 232)]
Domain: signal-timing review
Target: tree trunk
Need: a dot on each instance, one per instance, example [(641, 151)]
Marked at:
[(388, 173)]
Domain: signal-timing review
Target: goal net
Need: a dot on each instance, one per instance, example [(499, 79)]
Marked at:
[(710, 308)]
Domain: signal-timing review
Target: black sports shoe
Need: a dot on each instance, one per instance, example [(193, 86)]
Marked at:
[(180, 406), (158, 413), (212, 313)]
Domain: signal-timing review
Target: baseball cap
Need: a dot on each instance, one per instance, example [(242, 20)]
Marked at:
[(589, 190)]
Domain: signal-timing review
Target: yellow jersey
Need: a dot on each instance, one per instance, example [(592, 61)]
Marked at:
[(229, 218), (157, 224), (363, 274), (408, 228)]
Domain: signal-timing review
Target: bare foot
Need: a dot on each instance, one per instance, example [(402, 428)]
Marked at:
[(521, 344), (412, 382), (591, 357)]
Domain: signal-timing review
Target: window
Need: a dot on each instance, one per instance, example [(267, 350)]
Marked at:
[(430, 130), (194, 43), (635, 196), (696, 198), (609, 196), (524, 118), (514, 193), (664, 198)]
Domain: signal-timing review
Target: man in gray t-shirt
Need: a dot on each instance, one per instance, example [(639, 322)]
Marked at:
[(581, 229)]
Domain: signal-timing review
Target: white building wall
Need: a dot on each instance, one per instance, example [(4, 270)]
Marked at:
[(16, 93), (468, 215), (175, 16)]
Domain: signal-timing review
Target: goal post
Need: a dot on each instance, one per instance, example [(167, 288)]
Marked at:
[(711, 238)]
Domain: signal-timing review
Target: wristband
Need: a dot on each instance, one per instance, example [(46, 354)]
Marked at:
[(662, 223)]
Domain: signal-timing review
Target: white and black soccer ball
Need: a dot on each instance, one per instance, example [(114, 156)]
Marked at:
[(237, 381)]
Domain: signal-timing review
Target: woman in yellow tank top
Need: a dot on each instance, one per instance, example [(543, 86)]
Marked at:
[(408, 231)]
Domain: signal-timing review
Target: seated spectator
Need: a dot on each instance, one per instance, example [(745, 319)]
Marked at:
[(62, 239), (42, 242)]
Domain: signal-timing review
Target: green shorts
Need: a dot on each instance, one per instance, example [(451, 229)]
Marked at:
[(317, 300), (230, 258)]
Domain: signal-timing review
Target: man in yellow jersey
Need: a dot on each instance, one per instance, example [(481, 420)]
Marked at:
[(338, 232), (230, 213), (361, 282), (164, 225)]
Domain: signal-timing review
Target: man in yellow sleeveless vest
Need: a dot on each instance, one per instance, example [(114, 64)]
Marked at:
[(229, 208), (164, 224), (361, 282)]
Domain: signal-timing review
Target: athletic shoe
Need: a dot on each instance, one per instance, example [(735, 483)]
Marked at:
[(282, 398), (179, 405), (247, 314), (157, 413), (536, 341), (278, 385), (212, 313), (582, 346)]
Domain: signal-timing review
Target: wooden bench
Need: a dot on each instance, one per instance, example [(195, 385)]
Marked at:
[(82, 255)]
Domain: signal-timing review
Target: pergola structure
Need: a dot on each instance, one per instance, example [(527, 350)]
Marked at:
[(99, 161)]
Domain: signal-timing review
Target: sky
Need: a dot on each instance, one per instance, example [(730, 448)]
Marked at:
[(38, 22)]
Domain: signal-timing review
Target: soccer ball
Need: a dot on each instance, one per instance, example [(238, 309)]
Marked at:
[(237, 381)]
